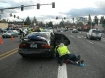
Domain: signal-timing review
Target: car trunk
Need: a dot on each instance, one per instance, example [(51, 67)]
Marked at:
[(61, 38), (34, 44)]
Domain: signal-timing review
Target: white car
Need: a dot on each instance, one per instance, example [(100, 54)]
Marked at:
[(9, 34), (74, 31), (94, 34)]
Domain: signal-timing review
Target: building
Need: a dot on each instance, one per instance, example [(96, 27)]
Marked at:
[(3, 25)]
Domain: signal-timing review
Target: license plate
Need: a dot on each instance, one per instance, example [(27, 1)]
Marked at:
[(33, 45)]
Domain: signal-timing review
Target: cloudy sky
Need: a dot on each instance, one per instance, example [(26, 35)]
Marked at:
[(63, 8)]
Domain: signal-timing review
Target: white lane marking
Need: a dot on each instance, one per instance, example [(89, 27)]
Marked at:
[(103, 38), (79, 37), (89, 41), (71, 36), (62, 71)]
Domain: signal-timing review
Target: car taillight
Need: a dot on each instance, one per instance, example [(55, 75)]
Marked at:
[(21, 45), (45, 46)]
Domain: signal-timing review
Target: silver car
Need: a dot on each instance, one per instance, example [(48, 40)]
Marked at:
[(94, 34)]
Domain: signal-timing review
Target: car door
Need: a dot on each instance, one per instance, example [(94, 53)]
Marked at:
[(61, 38)]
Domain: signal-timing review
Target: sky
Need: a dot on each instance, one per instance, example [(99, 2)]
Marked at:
[(63, 8)]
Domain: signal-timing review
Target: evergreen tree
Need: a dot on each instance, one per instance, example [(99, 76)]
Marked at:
[(50, 24), (96, 20), (41, 24), (102, 19), (89, 20), (34, 21), (27, 21)]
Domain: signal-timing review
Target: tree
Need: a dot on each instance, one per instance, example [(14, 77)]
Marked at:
[(61, 24), (34, 21), (80, 24), (96, 20), (102, 19), (3, 21), (67, 23), (89, 20), (103, 23), (50, 24), (41, 24), (27, 21)]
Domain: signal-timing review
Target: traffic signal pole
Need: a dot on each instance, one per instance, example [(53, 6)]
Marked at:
[(22, 6)]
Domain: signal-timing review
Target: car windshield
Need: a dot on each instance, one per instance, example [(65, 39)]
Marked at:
[(96, 31), (9, 31), (45, 35)]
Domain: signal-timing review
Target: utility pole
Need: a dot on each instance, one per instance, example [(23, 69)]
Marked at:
[(0, 17)]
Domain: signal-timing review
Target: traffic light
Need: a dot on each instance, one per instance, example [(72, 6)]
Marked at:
[(10, 15), (22, 7), (56, 17), (64, 17), (14, 16), (38, 6), (53, 4)]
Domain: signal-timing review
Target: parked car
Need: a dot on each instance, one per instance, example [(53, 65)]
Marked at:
[(74, 31), (3, 30), (40, 44), (94, 34), (15, 31), (9, 34)]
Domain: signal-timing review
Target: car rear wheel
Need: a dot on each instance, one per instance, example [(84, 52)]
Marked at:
[(23, 56), (4, 37), (99, 38), (52, 56)]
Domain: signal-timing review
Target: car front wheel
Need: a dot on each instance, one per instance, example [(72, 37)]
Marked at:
[(86, 36)]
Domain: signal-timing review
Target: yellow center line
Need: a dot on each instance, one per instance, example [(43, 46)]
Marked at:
[(8, 55), (8, 52)]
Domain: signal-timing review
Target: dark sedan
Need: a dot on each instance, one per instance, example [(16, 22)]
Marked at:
[(40, 44)]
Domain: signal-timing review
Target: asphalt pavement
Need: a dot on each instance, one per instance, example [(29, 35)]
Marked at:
[(92, 51)]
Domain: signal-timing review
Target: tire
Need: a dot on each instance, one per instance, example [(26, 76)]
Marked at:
[(3, 37), (99, 38), (23, 56), (87, 37), (52, 56), (90, 37)]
